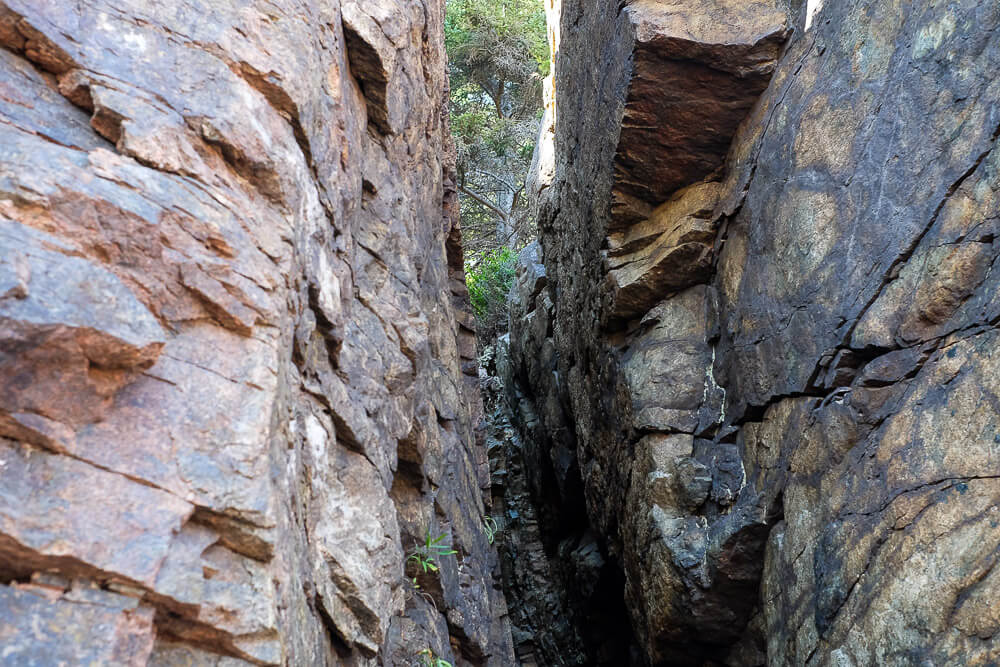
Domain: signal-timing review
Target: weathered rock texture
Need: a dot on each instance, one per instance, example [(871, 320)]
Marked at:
[(690, 66), (237, 381), (759, 337)]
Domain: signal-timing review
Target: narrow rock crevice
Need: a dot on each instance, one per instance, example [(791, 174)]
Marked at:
[(785, 505)]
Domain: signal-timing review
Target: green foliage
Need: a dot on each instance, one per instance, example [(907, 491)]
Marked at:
[(489, 281), (498, 56), (491, 528), (502, 38), (427, 555), (428, 659)]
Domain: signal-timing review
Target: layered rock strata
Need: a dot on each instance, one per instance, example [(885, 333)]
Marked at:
[(763, 339), (237, 373)]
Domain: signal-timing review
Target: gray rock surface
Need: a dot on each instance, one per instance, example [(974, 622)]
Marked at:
[(237, 377), (765, 340)]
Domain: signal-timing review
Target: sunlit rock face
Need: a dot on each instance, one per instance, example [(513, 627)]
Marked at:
[(774, 360), (237, 374), (695, 71)]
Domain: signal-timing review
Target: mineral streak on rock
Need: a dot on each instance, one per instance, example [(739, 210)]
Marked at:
[(236, 379)]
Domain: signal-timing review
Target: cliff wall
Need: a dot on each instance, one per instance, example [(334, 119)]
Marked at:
[(757, 340), (237, 374)]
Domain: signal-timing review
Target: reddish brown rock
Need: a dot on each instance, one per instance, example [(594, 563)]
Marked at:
[(52, 626), (697, 68), (226, 298), (72, 334), (667, 252)]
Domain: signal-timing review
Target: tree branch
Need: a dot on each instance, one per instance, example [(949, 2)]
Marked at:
[(503, 181), (498, 100), (483, 201)]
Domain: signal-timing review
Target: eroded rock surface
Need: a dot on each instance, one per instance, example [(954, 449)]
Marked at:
[(237, 374), (759, 333), (694, 71)]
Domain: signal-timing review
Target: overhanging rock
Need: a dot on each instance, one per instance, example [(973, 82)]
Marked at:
[(697, 69)]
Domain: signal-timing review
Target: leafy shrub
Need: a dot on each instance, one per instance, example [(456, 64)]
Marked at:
[(489, 281)]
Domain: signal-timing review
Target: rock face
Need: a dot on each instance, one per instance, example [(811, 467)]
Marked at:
[(237, 373), (690, 66), (758, 339)]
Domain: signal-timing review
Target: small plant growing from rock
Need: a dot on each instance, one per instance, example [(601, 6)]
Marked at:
[(428, 659), (491, 528), (427, 555)]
